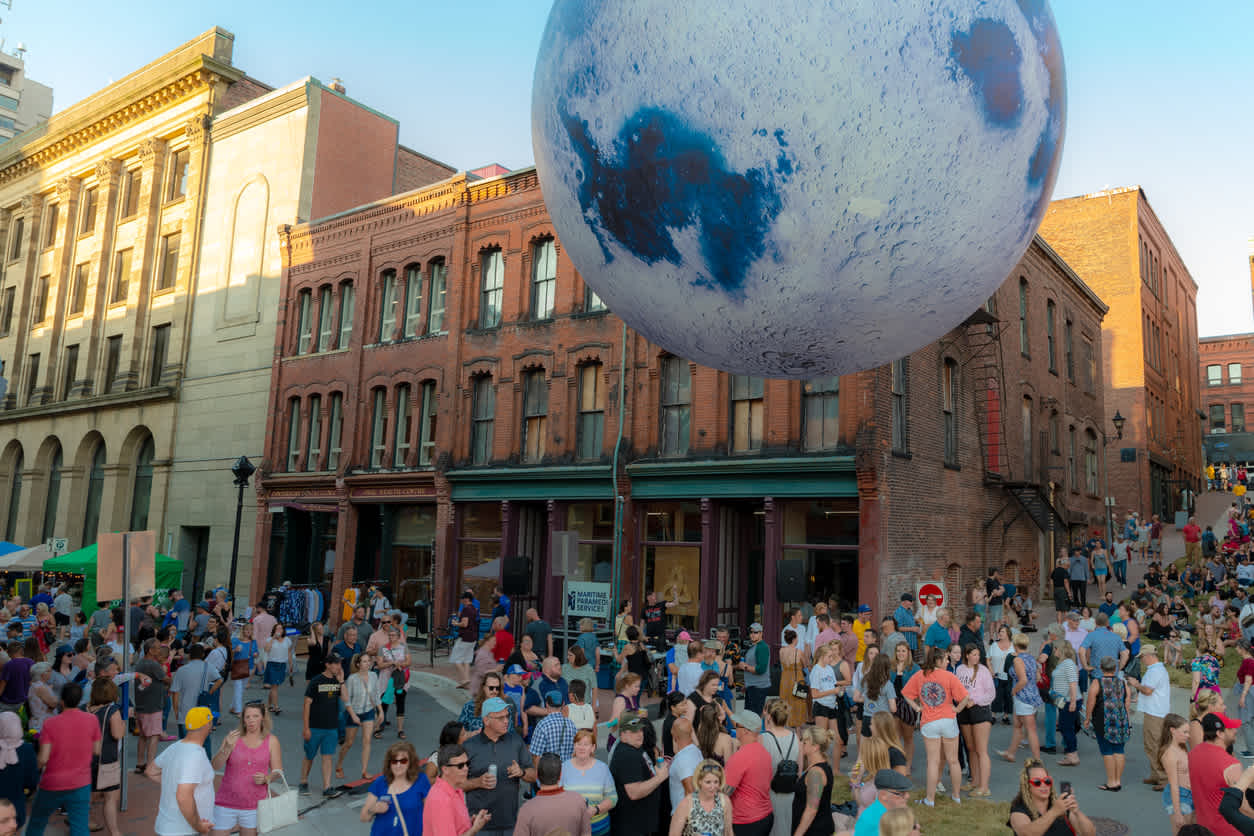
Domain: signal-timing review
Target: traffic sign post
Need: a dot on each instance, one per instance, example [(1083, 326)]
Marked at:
[(929, 589)]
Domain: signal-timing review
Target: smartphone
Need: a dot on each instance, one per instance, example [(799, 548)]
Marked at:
[(1064, 788)]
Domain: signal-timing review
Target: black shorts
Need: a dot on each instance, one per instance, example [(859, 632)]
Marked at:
[(1060, 599), (61, 619), (974, 715), (825, 712)]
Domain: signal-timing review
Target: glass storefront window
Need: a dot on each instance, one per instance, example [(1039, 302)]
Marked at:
[(821, 523), (672, 522), (479, 548), (412, 544), (824, 534), (672, 558), (480, 519), (595, 523)]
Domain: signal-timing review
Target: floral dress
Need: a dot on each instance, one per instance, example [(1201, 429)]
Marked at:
[(701, 820), (1208, 666), (1030, 695)]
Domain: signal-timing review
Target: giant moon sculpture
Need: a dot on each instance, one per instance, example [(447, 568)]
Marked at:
[(797, 188)]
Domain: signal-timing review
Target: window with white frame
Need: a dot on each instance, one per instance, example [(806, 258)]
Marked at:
[(748, 409), (404, 425), (535, 415), (413, 301), (492, 268), (435, 308), (336, 428), (378, 429), (482, 420), (589, 433), (427, 425), (387, 305), (313, 441), (543, 279)]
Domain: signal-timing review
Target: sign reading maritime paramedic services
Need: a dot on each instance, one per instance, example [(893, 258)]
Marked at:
[(588, 600)]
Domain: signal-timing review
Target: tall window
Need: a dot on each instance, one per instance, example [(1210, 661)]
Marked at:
[(413, 301), (1027, 439), (71, 370), (293, 434), (404, 425), (304, 324), (1072, 482), (747, 408), (591, 301), (1214, 375), (1051, 311), (54, 496), (543, 279), (900, 372), (39, 308), (1089, 360), (15, 499), (121, 276), (1090, 463), (326, 320), (32, 378), (87, 216), (180, 161), (589, 433), (1238, 417), (346, 314), (78, 288), (50, 224), (6, 311), (1024, 345), (141, 497), (378, 429), (427, 419), (676, 401), (1234, 373), (435, 308), (168, 268), (1068, 337), (493, 269), (483, 416), (949, 380), (131, 179), (95, 495), (313, 439), (387, 305), (160, 353), (113, 360), (15, 238), (1055, 429), (535, 415), (337, 427)]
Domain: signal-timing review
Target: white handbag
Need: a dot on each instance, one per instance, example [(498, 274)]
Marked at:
[(275, 811)]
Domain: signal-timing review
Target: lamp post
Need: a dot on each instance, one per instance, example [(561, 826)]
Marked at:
[(1118, 420), (242, 469)]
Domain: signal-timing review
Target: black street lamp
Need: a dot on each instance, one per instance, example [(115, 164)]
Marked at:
[(242, 469), (1118, 421)]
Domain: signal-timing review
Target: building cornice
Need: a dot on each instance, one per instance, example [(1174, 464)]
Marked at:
[(260, 110), (1096, 301)]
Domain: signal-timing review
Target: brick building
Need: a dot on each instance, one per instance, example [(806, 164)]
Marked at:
[(447, 394), (1116, 243), (1226, 390)]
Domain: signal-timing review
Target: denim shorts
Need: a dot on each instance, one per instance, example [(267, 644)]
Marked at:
[(363, 716), (1186, 801), (1107, 748), (945, 728), (321, 741)]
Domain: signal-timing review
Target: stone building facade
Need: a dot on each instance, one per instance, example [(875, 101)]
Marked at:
[(1117, 244), (448, 395)]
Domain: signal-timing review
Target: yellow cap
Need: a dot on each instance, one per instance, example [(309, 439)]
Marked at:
[(197, 718)]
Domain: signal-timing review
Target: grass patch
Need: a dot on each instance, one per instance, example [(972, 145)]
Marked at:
[(974, 817), (1227, 672)]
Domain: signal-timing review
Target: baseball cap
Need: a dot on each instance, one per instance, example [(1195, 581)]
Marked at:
[(755, 627), (553, 698), (632, 724), (684, 637), (1215, 721), (906, 596), (747, 720), (1148, 648), (864, 608), (493, 705), (197, 718), (891, 779), (515, 670)]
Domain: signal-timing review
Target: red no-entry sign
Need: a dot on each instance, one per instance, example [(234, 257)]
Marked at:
[(930, 589)]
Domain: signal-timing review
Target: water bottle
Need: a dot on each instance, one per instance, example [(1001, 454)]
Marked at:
[(492, 771)]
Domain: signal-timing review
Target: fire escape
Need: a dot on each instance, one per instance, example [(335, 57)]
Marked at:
[(984, 368)]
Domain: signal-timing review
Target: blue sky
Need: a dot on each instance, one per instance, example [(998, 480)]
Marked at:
[(1158, 92)]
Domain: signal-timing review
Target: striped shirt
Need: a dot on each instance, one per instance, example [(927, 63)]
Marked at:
[(595, 785)]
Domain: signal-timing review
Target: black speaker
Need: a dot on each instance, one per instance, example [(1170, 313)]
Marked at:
[(790, 580), (516, 576)]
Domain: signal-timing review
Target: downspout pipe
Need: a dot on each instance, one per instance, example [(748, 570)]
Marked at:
[(618, 500)]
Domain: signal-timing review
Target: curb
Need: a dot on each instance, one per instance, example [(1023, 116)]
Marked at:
[(440, 688)]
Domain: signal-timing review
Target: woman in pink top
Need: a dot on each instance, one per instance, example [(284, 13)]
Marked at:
[(934, 692), (976, 720), (251, 758)]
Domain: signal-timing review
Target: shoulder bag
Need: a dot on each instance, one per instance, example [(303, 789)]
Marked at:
[(107, 774), (800, 688), (275, 811)]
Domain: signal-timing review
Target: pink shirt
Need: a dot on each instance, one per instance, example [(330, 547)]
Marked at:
[(72, 734), (979, 684), (749, 771), (237, 790), (444, 812)]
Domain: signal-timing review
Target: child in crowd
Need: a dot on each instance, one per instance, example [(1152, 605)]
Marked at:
[(580, 713), (515, 691)]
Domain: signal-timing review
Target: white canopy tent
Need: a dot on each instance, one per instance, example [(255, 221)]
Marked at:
[(26, 560)]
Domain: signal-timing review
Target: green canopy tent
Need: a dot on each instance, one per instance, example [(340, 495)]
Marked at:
[(169, 572)]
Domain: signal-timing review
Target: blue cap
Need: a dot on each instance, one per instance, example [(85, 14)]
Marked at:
[(864, 608), (493, 705), (515, 670)]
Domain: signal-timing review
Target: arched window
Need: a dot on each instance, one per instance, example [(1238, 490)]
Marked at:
[(95, 493), (346, 314), (54, 496), (15, 498), (141, 496)]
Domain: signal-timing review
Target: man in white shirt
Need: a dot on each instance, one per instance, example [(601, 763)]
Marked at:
[(689, 673), (186, 778), (682, 780), (1155, 703)]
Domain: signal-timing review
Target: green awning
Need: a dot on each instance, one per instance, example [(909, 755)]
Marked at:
[(531, 483), (817, 476), (168, 574)]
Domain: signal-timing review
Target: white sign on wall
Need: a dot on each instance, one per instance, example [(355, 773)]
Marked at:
[(588, 600)]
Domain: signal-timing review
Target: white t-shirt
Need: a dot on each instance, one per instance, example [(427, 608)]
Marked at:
[(1158, 703), (183, 763), (63, 604), (823, 678), (683, 765), (382, 606), (688, 676)]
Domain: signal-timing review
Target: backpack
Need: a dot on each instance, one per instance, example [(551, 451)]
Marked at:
[(786, 772)]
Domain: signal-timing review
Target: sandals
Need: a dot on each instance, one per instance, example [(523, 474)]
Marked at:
[(1006, 756), (400, 735), (1109, 788), (378, 734)]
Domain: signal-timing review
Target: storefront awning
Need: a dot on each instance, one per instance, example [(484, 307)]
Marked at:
[(818, 476), (531, 483)]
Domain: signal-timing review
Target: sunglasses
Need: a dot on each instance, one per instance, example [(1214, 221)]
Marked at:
[(1041, 782), (459, 765), (490, 688), (709, 767), (400, 760)]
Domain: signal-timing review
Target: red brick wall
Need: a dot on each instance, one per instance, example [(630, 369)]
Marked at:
[(355, 158), (244, 90), (1232, 348), (414, 170)]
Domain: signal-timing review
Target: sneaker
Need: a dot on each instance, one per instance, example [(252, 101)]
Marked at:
[(304, 789), (332, 792), (1049, 750), (1246, 753)]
